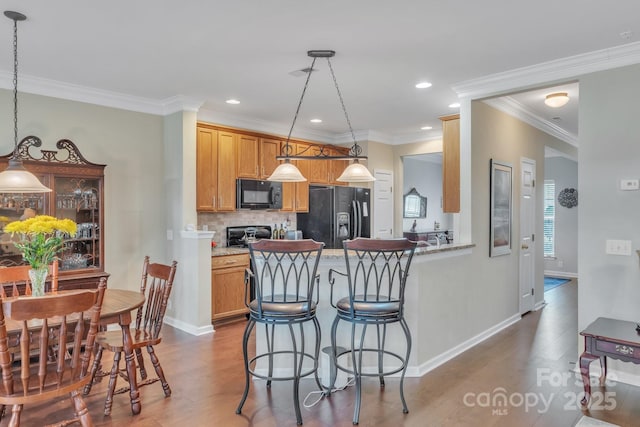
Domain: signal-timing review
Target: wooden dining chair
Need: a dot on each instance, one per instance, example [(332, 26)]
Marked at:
[(31, 326), (15, 281), (156, 284)]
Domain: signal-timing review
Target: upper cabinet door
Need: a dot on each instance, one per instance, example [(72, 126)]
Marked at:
[(269, 149), (227, 171), (206, 169), (248, 156), (451, 163)]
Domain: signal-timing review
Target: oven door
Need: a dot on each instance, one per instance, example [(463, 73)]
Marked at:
[(253, 194)]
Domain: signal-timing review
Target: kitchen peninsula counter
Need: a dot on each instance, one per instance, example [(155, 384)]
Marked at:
[(425, 299)]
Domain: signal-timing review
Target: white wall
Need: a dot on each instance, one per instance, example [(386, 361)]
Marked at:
[(565, 174), (609, 151)]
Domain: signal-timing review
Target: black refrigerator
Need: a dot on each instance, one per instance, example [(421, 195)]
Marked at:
[(336, 214)]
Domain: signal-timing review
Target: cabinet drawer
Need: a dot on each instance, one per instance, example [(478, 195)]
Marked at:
[(230, 261)]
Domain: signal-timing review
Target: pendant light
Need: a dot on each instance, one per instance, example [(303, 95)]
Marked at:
[(288, 172), (16, 179)]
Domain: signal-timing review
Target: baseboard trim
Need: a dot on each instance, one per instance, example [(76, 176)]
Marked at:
[(442, 358), (188, 328), (566, 274)]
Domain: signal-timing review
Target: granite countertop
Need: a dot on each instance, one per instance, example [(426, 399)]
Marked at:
[(339, 253), (228, 251)]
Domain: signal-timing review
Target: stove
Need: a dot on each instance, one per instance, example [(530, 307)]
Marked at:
[(240, 236)]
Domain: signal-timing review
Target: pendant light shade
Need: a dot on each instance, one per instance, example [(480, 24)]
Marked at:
[(287, 172), (16, 179), (356, 172)]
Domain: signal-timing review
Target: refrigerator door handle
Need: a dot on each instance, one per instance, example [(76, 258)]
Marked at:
[(357, 219), (354, 207)]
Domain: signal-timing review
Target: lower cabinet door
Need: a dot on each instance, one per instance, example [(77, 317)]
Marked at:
[(227, 287)]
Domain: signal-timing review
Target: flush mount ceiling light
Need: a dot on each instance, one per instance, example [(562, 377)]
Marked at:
[(454, 105), (556, 100), (232, 101), (288, 172), (16, 179)]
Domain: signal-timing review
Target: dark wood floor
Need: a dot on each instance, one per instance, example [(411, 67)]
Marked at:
[(531, 360)]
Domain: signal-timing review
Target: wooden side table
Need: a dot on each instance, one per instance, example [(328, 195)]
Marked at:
[(604, 338)]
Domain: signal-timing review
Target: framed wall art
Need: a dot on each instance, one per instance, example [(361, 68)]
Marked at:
[(501, 208)]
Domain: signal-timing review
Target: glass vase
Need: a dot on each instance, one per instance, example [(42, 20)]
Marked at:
[(38, 277)]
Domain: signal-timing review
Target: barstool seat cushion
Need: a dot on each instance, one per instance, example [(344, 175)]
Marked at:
[(368, 306), (279, 306)]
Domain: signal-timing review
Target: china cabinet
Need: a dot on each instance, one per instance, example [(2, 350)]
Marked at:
[(77, 193)]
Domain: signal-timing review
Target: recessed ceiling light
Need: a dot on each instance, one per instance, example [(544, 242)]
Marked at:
[(426, 127), (423, 85), (316, 120), (454, 105), (232, 101)]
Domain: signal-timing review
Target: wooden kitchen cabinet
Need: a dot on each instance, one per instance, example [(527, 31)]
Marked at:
[(256, 156), (295, 195), (269, 149), (451, 163), (227, 286), (248, 156), (215, 170), (77, 193)]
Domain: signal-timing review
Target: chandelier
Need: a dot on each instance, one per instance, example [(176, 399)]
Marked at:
[(288, 172), (16, 179)]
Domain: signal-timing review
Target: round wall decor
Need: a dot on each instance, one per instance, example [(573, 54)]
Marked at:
[(568, 197)]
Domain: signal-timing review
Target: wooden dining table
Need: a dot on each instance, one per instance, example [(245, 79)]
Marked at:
[(117, 306)]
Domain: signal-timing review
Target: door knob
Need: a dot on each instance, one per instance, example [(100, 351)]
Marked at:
[(525, 246)]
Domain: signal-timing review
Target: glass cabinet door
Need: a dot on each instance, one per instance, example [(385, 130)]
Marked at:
[(78, 199), (15, 207)]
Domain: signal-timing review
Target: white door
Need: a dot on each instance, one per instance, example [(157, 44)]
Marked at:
[(527, 238), (382, 204)]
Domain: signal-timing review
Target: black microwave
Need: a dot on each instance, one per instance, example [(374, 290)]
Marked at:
[(253, 194)]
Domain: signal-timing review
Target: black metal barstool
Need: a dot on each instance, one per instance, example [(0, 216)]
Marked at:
[(376, 274), (284, 274)]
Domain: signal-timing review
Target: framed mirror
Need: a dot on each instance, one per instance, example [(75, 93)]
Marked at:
[(414, 205)]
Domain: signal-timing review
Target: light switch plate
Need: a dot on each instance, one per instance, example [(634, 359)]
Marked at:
[(618, 247), (629, 184)]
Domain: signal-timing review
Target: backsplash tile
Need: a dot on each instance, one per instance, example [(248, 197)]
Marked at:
[(219, 222)]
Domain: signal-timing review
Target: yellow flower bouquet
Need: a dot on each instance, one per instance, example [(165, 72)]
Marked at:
[(40, 238)]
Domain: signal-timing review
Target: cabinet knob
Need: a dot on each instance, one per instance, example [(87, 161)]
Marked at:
[(525, 246)]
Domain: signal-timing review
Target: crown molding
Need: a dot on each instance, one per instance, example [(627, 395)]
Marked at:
[(514, 108), (178, 103), (73, 92), (548, 72)]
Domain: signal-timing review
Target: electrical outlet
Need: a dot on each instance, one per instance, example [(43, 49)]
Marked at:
[(618, 247), (169, 234)]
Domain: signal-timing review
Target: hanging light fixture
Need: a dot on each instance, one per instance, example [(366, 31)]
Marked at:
[(556, 100), (16, 179), (288, 172)]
